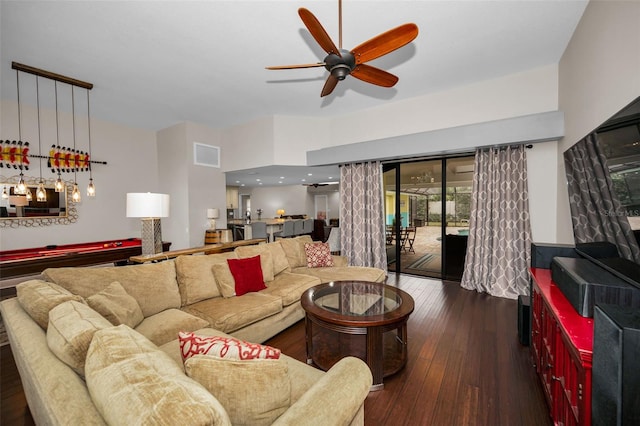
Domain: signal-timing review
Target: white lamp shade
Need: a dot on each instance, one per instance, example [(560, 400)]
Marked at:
[(213, 213), (147, 204)]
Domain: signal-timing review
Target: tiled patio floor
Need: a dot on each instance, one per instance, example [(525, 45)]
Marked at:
[(427, 242)]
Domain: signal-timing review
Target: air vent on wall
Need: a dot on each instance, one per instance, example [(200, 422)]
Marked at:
[(206, 155)]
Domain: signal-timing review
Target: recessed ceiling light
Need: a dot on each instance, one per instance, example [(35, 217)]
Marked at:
[(303, 180), (257, 180), (309, 174), (281, 177), (279, 181), (237, 181)]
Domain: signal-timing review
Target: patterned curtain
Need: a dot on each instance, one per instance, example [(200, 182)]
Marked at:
[(499, 247), (362, 233), (596, 211)]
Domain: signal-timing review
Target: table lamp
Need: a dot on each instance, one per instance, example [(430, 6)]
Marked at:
[(150, 207), (212, 215), (280, 212), (19, 201)]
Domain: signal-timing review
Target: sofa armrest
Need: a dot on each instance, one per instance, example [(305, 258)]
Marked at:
[(344, 388), (340, 260)]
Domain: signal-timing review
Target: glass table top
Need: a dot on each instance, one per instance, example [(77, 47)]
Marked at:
[(357, 299)]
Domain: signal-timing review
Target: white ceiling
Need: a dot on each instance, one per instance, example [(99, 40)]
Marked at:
[(154, 64)]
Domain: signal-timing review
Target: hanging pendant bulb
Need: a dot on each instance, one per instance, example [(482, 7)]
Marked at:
[(29, 196), (59, 185), (91, 189), (75, 194), (21, 187), (41, 193), (5, 194)]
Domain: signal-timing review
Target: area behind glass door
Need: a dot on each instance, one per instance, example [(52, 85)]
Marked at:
[(422, 225)]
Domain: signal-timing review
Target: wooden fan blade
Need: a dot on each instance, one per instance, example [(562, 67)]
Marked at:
[(290, 67), (374, 75), (384, 43), (329, 85), (317, 31)]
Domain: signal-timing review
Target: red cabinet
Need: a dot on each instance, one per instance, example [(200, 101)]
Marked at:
[(562, 348)]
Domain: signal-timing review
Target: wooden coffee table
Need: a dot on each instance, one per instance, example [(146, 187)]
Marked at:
[(357, 318)]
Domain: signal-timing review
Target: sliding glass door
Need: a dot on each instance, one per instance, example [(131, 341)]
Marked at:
[(427, 206)]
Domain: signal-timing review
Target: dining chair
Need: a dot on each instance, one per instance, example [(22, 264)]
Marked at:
[(287, 230), (334, 240), (298, 227), (259, 230), (307, 226)]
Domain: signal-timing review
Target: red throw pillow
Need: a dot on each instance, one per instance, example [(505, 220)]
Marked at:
[(247, 274), (318, 255), (223, 347)]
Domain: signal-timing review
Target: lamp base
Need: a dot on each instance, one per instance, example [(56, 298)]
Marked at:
[(151, 236)]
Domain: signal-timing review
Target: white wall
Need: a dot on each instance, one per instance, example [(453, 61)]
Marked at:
[(541, 177), (292, 198), (599, 75), (193, 188), (132, 166)]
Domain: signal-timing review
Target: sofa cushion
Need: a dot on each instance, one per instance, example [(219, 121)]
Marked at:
[(318, 255), (254, 392), (71, 328), (165, 326), (290, 286), (231, 314), (195, 277), (116, 305), (131, 382), (153, 285), (294, 250), (192, 344), (247, 275), (344, 273), (38, 297), (278, 256)]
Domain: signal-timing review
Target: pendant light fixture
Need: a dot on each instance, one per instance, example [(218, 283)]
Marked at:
[(91, 189), (21, 186), (41, 192), (59, 185), (75, 194)]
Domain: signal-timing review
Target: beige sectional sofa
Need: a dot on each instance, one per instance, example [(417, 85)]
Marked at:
[(108, 322)]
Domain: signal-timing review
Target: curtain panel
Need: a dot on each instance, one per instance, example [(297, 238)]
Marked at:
[(499, 246), (596, 211), (362, 233)]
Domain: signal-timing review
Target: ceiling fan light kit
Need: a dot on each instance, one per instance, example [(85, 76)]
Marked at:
[(340, 62)]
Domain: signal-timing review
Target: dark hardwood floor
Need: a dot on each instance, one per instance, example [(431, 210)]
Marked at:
[(465, 365)]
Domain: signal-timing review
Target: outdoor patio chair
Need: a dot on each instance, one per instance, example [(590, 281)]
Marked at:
[(408, 237)]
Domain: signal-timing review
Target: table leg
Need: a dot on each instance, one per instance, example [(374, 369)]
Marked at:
[(309, 339), (375, 356)]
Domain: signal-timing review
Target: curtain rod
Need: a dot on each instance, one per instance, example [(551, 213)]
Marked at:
[(51, 75)]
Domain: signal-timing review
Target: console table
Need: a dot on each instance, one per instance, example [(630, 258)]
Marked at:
[(562, 349), (206, 249)]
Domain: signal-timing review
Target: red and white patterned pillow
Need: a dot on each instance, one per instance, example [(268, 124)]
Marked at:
[(318, 255), (223, 347)]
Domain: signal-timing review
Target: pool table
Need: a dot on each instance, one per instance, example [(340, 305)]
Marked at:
[(16, 263)]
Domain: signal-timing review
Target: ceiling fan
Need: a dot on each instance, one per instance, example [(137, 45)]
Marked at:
[(341, 63)]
